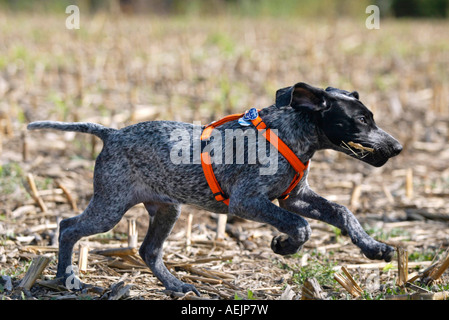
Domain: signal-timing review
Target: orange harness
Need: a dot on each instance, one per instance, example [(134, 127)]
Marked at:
[(270, 136)]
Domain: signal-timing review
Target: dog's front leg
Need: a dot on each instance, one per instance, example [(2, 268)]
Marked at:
[(259, 208), (308, 204)]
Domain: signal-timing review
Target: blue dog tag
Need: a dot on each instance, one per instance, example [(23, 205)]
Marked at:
[(249, 115), (243, 122)]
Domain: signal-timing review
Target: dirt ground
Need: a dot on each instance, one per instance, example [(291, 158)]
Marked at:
[(116, 76)]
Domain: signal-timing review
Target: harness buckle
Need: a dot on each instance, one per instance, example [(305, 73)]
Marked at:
[(220, 196)]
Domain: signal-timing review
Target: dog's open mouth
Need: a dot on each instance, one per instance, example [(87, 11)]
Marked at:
[(359, 151)]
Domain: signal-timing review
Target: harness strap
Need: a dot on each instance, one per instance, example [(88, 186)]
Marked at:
[(288, 154), (210, 127), (271, 137), (206, 162)]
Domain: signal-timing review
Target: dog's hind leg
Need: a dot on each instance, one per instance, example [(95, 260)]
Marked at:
[(101, 215), (295, 228), (163, 218)]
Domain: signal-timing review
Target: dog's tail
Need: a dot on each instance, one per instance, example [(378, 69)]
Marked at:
[(86, 127)]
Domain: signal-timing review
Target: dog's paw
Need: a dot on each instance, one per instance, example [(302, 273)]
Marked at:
[(283, 245), (380, 252), (73, 283), (388, 254), (183, 288)]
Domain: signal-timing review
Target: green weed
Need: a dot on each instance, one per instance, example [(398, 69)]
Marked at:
[(249, 296), (11, 175), (17, 270), (322, 270), (423, 255)]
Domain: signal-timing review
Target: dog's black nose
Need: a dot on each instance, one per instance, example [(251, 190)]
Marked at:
[(397, 148)]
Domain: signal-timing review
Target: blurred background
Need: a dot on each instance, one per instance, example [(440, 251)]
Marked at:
[(394, 8), (198, 60)]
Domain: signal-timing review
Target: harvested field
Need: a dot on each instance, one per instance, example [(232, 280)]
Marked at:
[(121, 70)]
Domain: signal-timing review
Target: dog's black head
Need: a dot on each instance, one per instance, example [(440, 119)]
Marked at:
[(346, 124)]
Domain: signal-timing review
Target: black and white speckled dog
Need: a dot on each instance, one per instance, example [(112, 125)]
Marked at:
[(135, 167)]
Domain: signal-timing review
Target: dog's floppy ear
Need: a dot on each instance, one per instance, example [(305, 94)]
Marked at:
[(302, 96), (283, 97)]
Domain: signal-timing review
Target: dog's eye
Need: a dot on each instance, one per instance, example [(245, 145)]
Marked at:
[(363, 120)]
